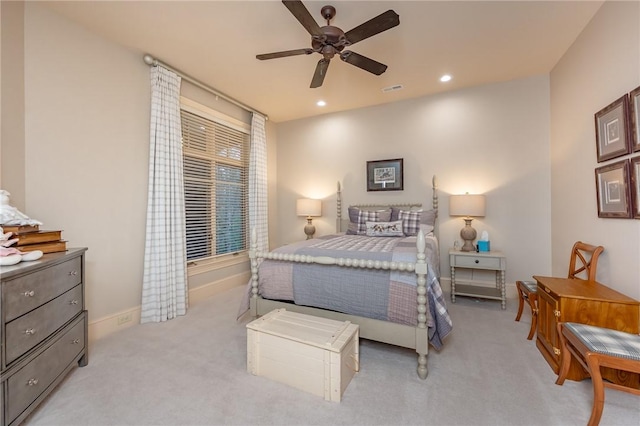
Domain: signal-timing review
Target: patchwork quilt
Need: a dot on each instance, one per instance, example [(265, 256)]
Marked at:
[(372, 293)]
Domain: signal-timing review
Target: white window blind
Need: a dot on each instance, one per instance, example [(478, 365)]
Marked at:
[(216, 171)]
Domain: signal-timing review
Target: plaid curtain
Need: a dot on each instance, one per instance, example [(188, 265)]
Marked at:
[(258, 215), (164, 288)]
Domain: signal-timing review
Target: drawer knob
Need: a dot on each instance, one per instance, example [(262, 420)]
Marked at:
[(75, 341), (32, 382), (477, 261), (73, 272), (30, 331), (29, 293), (73, 302)]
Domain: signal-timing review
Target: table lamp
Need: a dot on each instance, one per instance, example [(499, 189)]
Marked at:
[(309, 208), (470, 206)]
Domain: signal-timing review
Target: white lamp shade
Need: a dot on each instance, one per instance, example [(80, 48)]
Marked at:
[(308, 207), (467, 205)]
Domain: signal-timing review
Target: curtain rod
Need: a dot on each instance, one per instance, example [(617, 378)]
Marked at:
[(150, 60)]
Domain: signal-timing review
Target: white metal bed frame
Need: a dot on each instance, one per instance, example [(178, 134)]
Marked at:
[(412, 337)]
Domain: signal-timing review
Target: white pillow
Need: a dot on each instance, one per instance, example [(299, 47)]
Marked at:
[(384, 229)]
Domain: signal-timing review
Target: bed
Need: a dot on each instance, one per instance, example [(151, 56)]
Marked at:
[(371, 273)]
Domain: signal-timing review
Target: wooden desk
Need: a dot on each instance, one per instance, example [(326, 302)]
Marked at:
[(585, 302)]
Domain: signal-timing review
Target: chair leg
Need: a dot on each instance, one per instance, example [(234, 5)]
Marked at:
[(565, 357), (533, 302), (520, 302), (534, 324), (598, 390)]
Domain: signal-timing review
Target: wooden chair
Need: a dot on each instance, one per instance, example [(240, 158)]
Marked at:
[(596, 347), (583, 264)]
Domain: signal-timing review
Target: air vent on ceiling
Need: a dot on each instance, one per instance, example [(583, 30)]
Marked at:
[(392, 88)]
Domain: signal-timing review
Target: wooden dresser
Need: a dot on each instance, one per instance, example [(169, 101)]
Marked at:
[(43, 329), (585, 302)]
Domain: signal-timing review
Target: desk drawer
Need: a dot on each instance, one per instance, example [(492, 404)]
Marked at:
[(30, 329), (27, 292), (477, 262), (34, 378)]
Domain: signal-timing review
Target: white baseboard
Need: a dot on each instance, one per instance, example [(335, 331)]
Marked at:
[(105, 326), (203, 292)]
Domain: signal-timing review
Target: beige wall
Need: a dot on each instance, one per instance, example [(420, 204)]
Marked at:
[(12, 108), (87, 145), (602, 65), (87, 127), (492, 139)]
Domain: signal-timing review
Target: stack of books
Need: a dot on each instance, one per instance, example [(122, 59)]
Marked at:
[(31, 238)]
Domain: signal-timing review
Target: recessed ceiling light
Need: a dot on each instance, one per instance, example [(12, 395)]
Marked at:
[(445, 78), (321, 103)]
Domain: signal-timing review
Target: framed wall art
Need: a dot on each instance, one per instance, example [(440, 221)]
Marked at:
[(635, 186), (634, 117), (612, 130), (385, 175), (613, 190)]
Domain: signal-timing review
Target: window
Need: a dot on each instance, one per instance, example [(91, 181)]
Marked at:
[(216, 191)]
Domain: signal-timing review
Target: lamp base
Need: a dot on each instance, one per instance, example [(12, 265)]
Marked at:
[(468, 234), (309, 229)]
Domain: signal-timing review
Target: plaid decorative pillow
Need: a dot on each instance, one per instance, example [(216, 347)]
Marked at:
[(353, 214), (352, 229), (410, 222), (428, 217), (366, 216), (358, 219)]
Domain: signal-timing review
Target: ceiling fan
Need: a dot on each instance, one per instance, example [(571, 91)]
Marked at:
[(330, 40)]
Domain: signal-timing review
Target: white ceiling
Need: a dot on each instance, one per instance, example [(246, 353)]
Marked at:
[(477, 42)]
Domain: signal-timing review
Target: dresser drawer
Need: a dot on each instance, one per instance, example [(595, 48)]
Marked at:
[(27, 292), (27, 331), (477, 262), (34, 378)]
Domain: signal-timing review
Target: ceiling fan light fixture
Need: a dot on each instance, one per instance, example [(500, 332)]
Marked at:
[(445, 78), (330, 41)]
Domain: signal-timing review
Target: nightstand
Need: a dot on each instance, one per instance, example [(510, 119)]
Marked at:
[(492, 261)]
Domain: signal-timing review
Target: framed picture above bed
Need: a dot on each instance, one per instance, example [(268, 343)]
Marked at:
[(613, 190), (385, 175), (612, 130)]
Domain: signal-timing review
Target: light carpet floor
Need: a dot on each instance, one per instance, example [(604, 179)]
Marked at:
[(192, 371)]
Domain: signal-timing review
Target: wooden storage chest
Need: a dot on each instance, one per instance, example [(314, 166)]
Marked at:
[(316, 355), (584, 302)]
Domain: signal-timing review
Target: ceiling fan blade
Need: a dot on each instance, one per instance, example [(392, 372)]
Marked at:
[(283, 54), (363, 62), (304, 17), (380, 23), (321, 71)]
